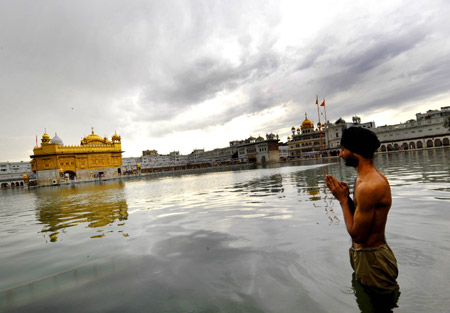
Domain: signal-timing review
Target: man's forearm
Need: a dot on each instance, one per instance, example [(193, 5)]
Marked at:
[(348, 209), (351, 205), (348, 204)]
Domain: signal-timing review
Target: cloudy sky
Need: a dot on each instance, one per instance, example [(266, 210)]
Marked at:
[(180, 75)]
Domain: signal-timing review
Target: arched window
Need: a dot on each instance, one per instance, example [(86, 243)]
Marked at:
[(446, 142)]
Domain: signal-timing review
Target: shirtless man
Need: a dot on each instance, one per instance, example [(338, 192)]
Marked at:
[(365, 216)]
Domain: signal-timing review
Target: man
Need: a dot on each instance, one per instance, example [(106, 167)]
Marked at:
[(365, 216)]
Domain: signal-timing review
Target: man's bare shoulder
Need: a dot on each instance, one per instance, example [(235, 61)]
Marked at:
[(374, 180), (373, 187)]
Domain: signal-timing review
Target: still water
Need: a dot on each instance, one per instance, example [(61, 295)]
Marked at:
[(256, 240)]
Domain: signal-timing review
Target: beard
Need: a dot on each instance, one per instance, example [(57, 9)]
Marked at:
[(351, 160)]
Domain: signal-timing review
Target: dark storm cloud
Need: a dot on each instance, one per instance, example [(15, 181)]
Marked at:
[(202, 80), (377, 69), (431, 79), (310, 59), (368, 54)]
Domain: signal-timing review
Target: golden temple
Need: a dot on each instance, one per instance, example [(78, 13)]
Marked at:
[(95, 157)]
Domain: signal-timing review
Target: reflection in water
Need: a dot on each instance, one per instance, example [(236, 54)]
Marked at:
[(422, 166), (311, 182), (261, 187), (92, 205), (371, 300), (199, 272)]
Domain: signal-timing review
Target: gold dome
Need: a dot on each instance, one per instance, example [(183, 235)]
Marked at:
[(115, 137), (92, 139), (45, 138), (307, 123)]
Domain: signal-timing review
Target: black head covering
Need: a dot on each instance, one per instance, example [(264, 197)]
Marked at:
[(360, 140)]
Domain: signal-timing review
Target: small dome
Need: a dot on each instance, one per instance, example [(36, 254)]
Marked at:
[(115, 137), (57, 140), (45, 138)]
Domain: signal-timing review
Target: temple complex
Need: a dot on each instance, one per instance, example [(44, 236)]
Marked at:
[(308, 141), (95, 157)]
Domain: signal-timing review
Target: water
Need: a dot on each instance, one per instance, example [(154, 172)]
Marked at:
[(262, 240)]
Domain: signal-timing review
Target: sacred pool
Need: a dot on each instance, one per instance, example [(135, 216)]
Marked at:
[(269, 239)]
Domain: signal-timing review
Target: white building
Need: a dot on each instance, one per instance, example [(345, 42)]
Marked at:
[(333, 132), (257, 150), (260, 150), (283, 151), (429, 130), (12, 173)]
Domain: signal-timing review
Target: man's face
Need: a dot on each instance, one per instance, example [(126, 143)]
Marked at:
[(349, 158)]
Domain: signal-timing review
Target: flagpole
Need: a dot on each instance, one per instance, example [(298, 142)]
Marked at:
[(320, 126)]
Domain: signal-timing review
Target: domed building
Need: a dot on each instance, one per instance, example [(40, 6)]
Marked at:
[(95, 158), (307, 142), (45, 138), (57, 140), (307, 125)]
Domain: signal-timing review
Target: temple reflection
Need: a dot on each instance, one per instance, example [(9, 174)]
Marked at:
[(311, 182), (89, 206)]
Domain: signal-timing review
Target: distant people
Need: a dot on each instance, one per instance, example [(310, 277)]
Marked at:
[(365, 216)]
